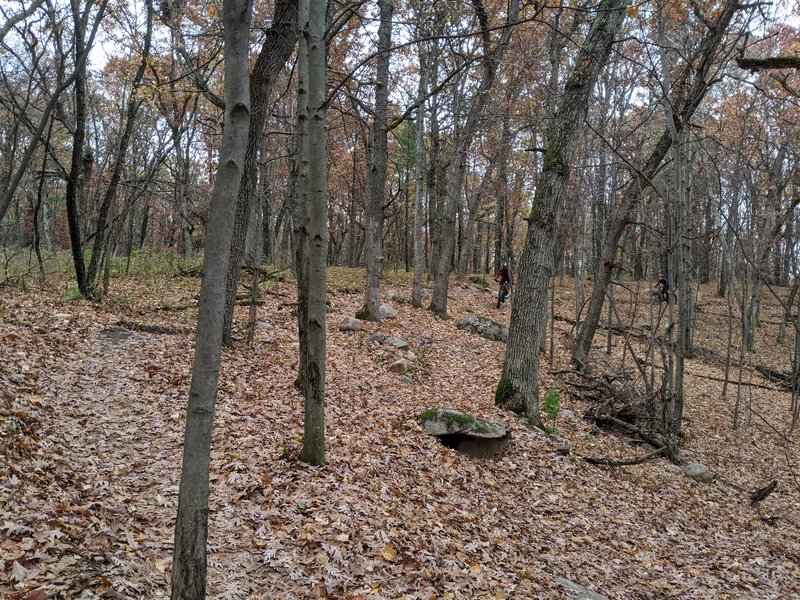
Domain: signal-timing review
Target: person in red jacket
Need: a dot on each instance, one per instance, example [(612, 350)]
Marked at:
[(506, 279)]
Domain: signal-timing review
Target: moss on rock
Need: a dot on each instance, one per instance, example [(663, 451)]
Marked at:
[(448, 421)]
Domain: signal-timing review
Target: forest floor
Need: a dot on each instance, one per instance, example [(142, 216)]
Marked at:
[(92, 407)]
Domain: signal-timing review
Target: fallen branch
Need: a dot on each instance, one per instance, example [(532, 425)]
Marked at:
[(623, 463), (148, 328), (769, 62), (734, 382), (652, 439), (762, 493), (785, 379)]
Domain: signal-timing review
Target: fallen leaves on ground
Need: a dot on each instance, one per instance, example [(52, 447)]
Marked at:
[(91, 425)]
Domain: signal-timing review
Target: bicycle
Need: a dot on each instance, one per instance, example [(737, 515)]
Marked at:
[(658, 296), (502, 294)]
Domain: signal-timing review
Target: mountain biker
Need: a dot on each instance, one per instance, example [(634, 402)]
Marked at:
[(504, 275), (663, 287), (505, 278)]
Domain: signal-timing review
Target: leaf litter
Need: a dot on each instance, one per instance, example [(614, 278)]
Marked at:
[(90, 448)]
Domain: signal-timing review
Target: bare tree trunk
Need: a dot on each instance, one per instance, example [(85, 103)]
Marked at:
[(377, 157), (80, 163), (475, 204), (772, 226), (313, 54), (419, 179), (191, 526), (119, 161), (518, 388), (278, 44)]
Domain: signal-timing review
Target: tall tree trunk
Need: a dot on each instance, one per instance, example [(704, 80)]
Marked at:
[(78, 171), (377, 158), (278, 44), (501, 208), (419, 179), (774, 218), (473, 206), (518, 388), (313, 153), (191, 526)]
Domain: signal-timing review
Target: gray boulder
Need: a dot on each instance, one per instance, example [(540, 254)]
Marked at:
[(351, 324), (698, 471), (389, 340), (578, 592), (397, 343), (387, 311), (465, 433), (486, 328), (446, 421), (567, 415)]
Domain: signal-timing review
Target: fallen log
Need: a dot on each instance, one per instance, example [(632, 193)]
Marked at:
[(785, 379)]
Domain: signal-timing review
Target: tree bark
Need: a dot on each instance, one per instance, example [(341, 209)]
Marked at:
[(313, 53), (518, 388), (278, 44), (419, 179), (376, 172), (191, 526), (768, 63)]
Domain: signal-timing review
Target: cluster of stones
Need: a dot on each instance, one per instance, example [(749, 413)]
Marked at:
[(405, 360)]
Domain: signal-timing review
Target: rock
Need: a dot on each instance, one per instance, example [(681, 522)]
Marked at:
[(465, 433), (567, 415), (563, 450), (401, 365), (447, 421), (674, 469), (389, 340), (386, 311), (397, 343), (698, 471), (411, 357), (351, 324), (406, 379), (578, 591), (405, 324), (391, 296), (264, 325), (486, 328)]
